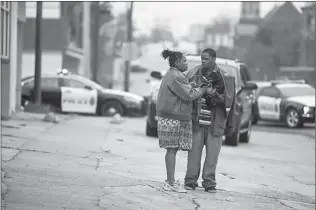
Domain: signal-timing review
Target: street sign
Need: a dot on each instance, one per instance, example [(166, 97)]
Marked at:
[(129, 51)]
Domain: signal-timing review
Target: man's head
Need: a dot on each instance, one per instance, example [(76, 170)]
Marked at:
[(176, 59), (208, 58)]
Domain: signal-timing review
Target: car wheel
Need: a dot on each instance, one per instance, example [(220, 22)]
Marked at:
[(254, 119), (24, 101), (245, 137), (255, 116), (233, 140), (292, 118), (151, 131), (111, 108)]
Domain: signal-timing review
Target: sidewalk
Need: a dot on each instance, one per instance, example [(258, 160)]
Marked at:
[(88, 163), (16, 132)]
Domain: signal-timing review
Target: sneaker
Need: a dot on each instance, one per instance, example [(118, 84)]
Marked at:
[(190, 186), (176, 187), (211, 189), (167, 186)]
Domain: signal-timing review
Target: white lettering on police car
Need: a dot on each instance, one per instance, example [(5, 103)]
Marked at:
[(78, 100), (269, 107)]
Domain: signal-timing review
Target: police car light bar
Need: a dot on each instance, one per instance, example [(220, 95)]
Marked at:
[(62, 72), (275, 82)]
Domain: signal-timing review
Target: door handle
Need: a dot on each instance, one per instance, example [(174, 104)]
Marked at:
[(67, 91)]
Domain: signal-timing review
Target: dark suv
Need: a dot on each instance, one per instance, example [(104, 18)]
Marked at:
[(244, 100)]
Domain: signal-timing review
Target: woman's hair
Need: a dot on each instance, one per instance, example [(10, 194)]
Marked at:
[(210, 51), (172, 56)]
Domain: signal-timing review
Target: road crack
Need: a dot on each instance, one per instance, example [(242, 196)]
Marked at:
[(24, 150), (98, 164), (283, 204), (228, 175), (159, 190), (197, 205), (295, 179)]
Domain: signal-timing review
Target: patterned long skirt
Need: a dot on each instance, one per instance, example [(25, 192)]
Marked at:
[(175, 134)]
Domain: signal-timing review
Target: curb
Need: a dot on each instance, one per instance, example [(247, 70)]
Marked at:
[(311, 136)]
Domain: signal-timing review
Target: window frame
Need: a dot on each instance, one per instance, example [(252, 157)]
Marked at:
[(64, 83), (272, 88), (5, 42), (27, 83)]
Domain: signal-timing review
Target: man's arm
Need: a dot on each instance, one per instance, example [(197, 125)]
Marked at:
[(231, 119), (230, 105)]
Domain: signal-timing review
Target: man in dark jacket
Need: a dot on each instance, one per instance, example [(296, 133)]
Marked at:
[(212, 116)]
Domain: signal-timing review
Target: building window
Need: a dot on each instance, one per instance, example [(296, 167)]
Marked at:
[(5, 29)]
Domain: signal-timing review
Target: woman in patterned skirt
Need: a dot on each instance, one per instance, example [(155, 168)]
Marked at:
[(174, 108)]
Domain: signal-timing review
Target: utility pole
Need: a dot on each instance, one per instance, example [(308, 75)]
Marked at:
[(129, 42), (95, 40), (86, 71), (38, 53)]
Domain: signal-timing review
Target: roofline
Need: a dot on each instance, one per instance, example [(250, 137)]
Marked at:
[(308, 6)]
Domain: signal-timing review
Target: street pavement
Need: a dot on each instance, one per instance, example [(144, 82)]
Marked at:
[(308, 130), (90, 163)]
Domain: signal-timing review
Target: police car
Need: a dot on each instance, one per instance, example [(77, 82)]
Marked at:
[(292, 102), (260, 85), (71, 93)]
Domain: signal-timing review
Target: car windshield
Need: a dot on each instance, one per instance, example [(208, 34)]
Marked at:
[(298, 90), (88, 82)]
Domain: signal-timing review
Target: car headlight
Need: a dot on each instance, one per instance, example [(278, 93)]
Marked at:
[(307, 109)]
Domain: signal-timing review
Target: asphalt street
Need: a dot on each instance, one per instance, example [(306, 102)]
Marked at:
[(308, 130), (90, 163)]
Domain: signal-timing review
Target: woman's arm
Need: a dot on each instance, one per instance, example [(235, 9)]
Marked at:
[(182, 88)]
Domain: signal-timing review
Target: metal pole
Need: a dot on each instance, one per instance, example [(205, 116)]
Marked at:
[(86, 70), (38, 54), (129, 41), (96, 27)]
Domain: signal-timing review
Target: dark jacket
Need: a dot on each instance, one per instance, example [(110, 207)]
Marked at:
[(175, 96), (223, 113)]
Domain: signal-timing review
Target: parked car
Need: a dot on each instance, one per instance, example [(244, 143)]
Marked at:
[(260, 85), (291, 102), (68, 92), (244, 93)]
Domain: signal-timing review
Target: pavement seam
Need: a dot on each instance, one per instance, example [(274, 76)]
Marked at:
[(197, 205), (283, 204), (294, 179), (98, 164), (23, 150)]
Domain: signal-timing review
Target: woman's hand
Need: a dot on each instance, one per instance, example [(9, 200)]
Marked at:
[(202, 91), (209, 90), (193, 84)]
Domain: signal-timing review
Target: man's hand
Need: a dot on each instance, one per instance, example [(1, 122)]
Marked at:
[(211, 93)]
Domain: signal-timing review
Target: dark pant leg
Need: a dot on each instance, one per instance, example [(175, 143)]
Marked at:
[(194, 156), (213, 147)]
